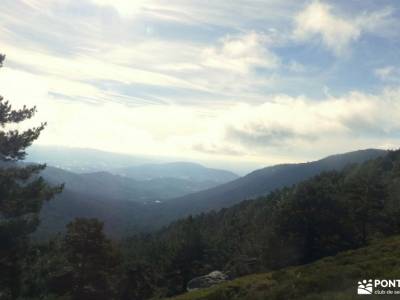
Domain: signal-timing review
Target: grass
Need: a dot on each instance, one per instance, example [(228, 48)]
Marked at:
[(331, 278)]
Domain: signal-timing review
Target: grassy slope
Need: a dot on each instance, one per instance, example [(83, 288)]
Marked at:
[(331, 278)]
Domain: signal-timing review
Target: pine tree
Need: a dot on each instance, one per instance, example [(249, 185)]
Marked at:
[(311, 220), (22, 194), (366, 195), (92, 258)]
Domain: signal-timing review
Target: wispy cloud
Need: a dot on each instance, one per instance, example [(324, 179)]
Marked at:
[(241, 54), (338, 32), (388, 73)]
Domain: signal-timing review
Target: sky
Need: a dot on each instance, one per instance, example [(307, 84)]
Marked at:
[(243, 82)]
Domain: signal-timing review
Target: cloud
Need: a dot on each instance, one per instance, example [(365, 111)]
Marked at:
[(76, 51), (298, 126), (241, 54), (317, 20), (81, 44), (382, 22), (296, 67), (260, 135), (388, 73), (216, 13), (320, 20), (124, 8)]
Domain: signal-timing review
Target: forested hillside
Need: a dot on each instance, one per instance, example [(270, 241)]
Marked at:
[(263, 181), (329, 213)]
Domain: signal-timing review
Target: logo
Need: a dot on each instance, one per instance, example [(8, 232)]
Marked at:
[(378, 287), (365, 287)]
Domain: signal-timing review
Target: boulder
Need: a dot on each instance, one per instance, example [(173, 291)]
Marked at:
[(206, 281), (241, 266)]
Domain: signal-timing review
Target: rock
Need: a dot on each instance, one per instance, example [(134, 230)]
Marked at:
[(206, 281), (241, 266)]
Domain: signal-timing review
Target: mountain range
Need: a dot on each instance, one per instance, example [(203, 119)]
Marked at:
[(117, 187), (124, 199), (179, 170), (127, 205)]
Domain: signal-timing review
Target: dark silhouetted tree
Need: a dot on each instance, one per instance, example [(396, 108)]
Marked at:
[(92, 258), (366, 194), (312, 218), (22, 193)]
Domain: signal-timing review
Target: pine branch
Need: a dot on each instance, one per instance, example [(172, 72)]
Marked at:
[(13, 143)]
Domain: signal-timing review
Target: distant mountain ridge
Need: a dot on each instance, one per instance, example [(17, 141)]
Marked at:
[(181, 170), (125, 205), (138, 167), (263, 181), (148, 182), (118, 187)]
